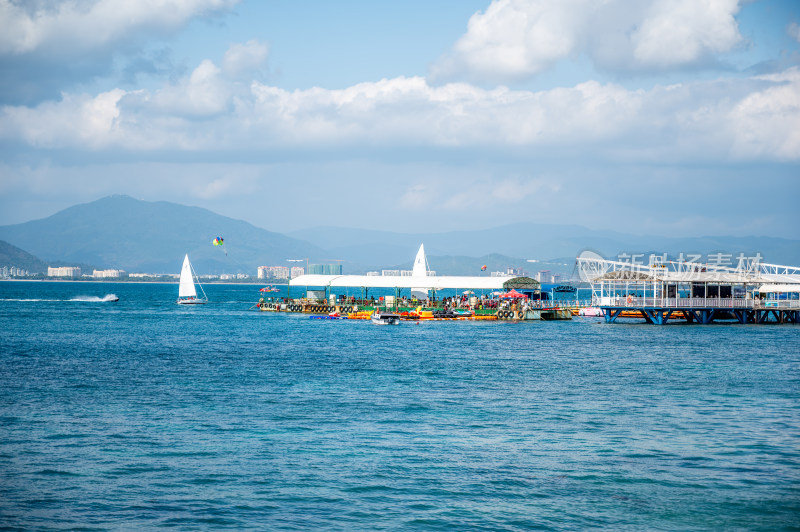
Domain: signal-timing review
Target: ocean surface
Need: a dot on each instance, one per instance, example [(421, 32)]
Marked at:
[(144, 414)]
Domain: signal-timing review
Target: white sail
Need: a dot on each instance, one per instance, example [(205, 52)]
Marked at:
[(420, 269), (186, 288)]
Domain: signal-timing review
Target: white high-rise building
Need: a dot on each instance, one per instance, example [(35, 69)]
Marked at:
[(273, 272), (64, 271), (109, 274)]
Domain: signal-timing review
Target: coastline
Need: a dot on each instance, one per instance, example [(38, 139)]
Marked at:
[(117, 281)]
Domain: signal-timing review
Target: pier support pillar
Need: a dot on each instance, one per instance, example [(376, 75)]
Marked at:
[(658, 317), (704, 316), (763, 316), (743, 316), (612, 315)]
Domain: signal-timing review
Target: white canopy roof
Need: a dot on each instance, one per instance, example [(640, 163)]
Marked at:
[(767, 288), (398, 281)]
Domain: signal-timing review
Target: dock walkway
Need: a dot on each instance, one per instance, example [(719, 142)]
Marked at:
[(703, 310)]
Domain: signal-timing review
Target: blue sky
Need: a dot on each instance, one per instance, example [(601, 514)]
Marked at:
[(669, 117)]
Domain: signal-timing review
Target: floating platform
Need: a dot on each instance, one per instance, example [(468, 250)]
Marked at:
[(355, 312)]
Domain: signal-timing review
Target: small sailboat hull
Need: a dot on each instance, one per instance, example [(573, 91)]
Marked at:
[(192, 301)]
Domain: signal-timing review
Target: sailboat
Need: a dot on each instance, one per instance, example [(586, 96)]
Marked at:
[(187, 294)]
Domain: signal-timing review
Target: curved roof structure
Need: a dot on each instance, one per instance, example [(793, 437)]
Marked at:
[(398, 281)]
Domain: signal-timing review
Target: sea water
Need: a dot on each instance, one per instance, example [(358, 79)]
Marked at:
[(146, 414)]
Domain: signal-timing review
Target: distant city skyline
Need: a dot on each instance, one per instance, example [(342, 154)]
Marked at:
[(667, 117)]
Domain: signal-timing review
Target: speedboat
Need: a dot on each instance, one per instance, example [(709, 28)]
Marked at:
[(385, 318), (451, 314)]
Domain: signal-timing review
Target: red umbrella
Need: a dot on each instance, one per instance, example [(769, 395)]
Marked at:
[(513, 294)]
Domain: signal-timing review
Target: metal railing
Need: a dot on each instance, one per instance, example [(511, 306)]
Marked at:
[(778, 304), (676, 302)]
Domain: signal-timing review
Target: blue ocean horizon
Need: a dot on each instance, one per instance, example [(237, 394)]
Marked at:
[(143, 414)]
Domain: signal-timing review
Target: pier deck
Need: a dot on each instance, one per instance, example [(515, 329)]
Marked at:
[(702, 310)]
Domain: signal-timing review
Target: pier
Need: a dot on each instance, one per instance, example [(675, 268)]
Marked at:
[(517, 298), (661, 291)]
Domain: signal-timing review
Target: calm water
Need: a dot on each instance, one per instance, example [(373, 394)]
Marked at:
[(146, 414)]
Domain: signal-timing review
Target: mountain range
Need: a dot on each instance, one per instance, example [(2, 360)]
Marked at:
[(141, 236), (14, 256)]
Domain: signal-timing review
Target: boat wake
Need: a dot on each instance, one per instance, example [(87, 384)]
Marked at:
[(108, 298), (94, 299), (35, 300)]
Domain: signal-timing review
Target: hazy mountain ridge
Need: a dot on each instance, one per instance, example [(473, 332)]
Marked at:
[(544, 242), (135, 235), (11, 255), (140, 236)]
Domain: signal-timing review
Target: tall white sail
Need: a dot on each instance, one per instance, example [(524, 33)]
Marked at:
[(420, 270), (186, 288)]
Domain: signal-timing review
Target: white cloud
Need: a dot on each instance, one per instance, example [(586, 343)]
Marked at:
[(203, 93), (75, 121), (517, 39), (726, 120), (76, 25), (679, 32), (417, 196), (501, 193), (241, 59), (765, 123), (794, 31)]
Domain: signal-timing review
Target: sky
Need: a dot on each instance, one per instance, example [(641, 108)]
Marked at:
[(663, 117)]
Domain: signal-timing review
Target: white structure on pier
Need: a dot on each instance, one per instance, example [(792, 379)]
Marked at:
[(420, 282), (663, 287)]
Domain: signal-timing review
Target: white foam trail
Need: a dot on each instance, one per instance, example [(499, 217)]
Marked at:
[(32, 300), (95, 299), (85, 299)]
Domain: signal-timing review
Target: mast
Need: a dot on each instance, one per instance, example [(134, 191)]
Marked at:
[(198, 282)]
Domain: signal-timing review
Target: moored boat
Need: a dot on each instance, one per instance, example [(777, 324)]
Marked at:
[(385, 318)]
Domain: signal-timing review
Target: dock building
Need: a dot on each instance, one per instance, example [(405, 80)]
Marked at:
[(751, 292)]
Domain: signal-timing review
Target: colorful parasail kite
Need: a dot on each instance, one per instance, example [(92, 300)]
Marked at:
[(483, 268), (220, 242)]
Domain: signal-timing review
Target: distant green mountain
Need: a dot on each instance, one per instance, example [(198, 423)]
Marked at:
[(141, 236), (14, 256)]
